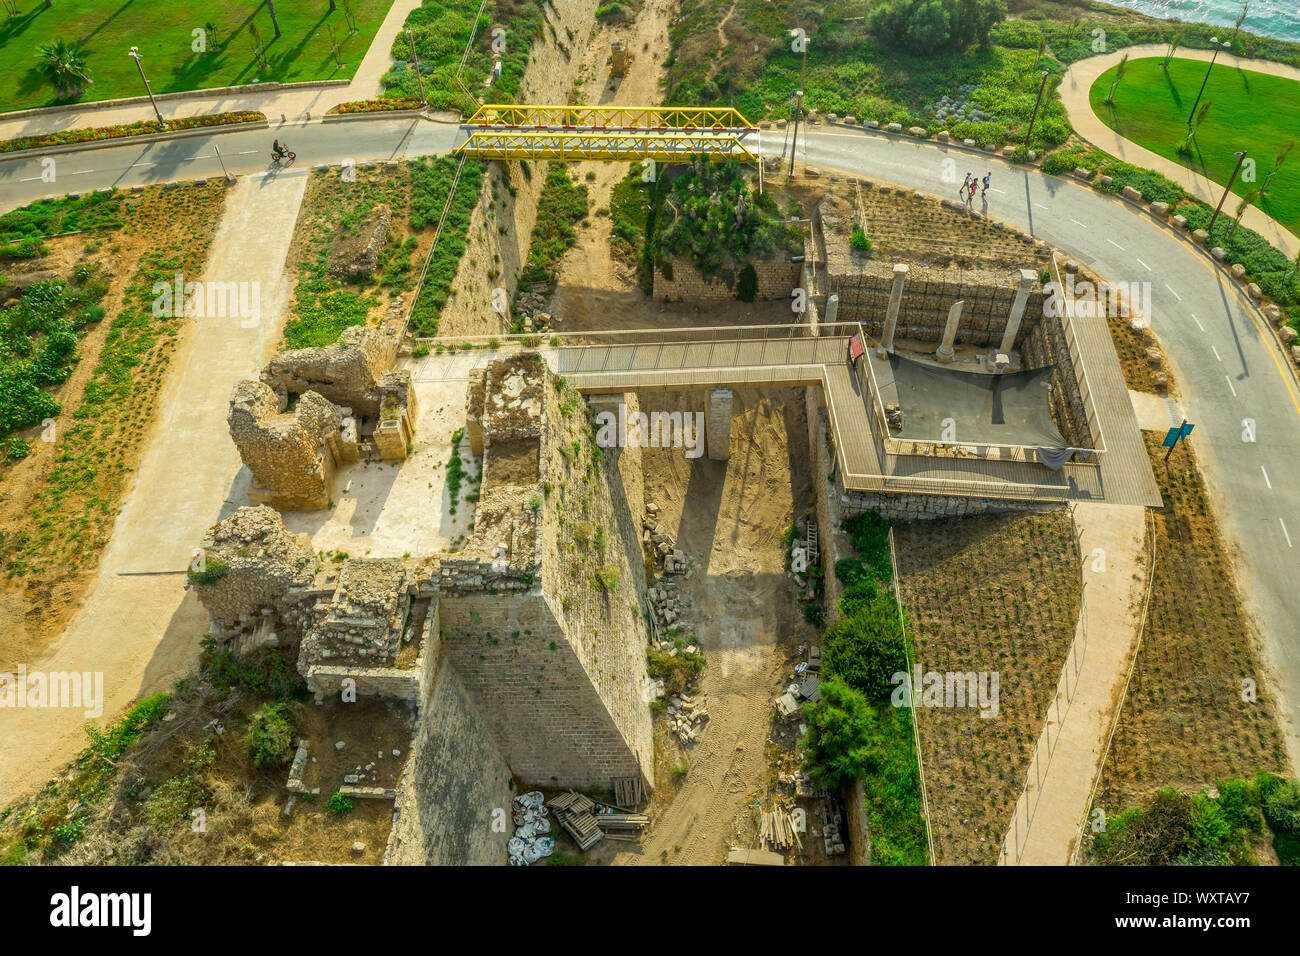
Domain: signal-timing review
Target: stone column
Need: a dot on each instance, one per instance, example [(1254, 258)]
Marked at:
[(832, 308), (945, 352), (1027, 280), (891, 317), (717, 424)]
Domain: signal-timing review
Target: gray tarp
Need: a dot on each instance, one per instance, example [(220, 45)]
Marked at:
[(1008, 409)]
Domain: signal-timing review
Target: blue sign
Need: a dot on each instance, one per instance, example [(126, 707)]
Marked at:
[(1171, 438), (1187, 429)]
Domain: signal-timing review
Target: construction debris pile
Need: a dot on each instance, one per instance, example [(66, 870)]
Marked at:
[(657, 538), (530, 843), (832, 830), (807, 683), (529, 306), (686, 717), (589, 822), (667, 605), (777, 830)]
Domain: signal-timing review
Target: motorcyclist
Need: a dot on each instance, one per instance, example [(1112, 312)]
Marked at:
[(277, 150)]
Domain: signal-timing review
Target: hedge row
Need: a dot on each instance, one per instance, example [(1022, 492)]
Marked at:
[(69, 136)]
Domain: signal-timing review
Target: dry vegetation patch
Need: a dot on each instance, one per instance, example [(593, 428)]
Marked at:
[(998, 594), (1185, 722)]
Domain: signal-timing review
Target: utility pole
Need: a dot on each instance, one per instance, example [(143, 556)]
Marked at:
[(1217, 48), (1042, 87), (798, 109), (135, 55), (416, 62), (1241, 158)]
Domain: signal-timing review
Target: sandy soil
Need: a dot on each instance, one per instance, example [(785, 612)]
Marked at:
[(728, 517)]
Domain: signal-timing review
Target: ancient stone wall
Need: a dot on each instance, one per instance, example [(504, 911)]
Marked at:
[(927, 296), (1046, 345), (348, 373), (777, 277), (292, 456), (913, 507), (545, 633), (454, 781), (266, 567)]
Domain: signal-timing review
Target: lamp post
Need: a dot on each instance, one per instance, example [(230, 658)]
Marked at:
[(798, 110), (135, 55), (1218, 47), (1042, 87), (1241, 158), (415, 61)]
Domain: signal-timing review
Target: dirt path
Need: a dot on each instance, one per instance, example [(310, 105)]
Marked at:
[(722, 39), (729, 517), (593, 289), (139, 627)]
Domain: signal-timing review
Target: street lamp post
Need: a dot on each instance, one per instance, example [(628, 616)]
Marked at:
[(798, 110), (1241, 158), (135, 55), (1217, 48), (1042, 87), (415, 61)]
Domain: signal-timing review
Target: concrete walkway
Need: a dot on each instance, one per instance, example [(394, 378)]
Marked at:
[(1071, 748), (293, 105), (139, 626), (1077, 83)]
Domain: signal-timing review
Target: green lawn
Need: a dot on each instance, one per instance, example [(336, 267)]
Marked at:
[(163, 30), (1251, 111)]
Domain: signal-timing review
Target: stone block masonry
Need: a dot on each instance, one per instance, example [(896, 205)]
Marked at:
[(1046, 345), (681, 281)]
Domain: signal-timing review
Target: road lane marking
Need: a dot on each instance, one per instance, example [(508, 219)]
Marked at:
[(32, 180), (1114, 243), (1216, 352), (996, 190), (1197, 321), (1144, 265), (1077, 223), (82, 172), (133, 165), (1174, 292), (1040, 205), (245, 152), (1266, 481), (1284, 531), (1229, 381)]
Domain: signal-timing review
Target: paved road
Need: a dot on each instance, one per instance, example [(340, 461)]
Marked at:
[(1229, 367)]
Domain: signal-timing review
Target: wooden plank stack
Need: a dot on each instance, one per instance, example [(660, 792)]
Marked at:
[(618, 825), (627, 791), (574, 813), (777, 830)]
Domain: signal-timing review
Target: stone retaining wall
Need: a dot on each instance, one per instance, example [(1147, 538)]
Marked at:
[(777, 277)]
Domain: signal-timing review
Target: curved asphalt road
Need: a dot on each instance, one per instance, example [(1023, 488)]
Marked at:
[(1228, 365)]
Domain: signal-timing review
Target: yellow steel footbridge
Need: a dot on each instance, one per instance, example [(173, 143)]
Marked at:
[(607, 133)]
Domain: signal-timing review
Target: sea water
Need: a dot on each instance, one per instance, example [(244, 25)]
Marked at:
[(1274, 18)]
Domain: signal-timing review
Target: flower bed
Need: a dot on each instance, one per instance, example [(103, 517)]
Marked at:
[(376, 106), (68, 136)]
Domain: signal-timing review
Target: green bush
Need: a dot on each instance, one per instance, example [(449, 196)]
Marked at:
[(214, 569), (837, 746), (859, 241), (339, 804), (561, 206), (270, 735), (865, 649), (1282, 808), (924, 27)]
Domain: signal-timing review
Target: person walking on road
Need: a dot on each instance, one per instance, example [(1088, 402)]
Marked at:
[(987, 176)]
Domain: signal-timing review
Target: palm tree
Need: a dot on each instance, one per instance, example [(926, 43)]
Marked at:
[(65, 67), (1174, 41), (1277, 167), (1242, 206), (1119, 75), (1200, 118)]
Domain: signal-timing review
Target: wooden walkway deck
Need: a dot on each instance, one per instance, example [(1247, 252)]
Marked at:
[(1123, 477)]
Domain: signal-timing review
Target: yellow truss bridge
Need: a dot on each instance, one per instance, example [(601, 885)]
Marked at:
[(609, 147), (616, 118)]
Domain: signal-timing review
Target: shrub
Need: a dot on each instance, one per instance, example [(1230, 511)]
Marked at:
[(859, 241), (214, 569), (1282, 808), (339, 804), (865, 648), (924, 27), (837, 746), (270, 735)]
